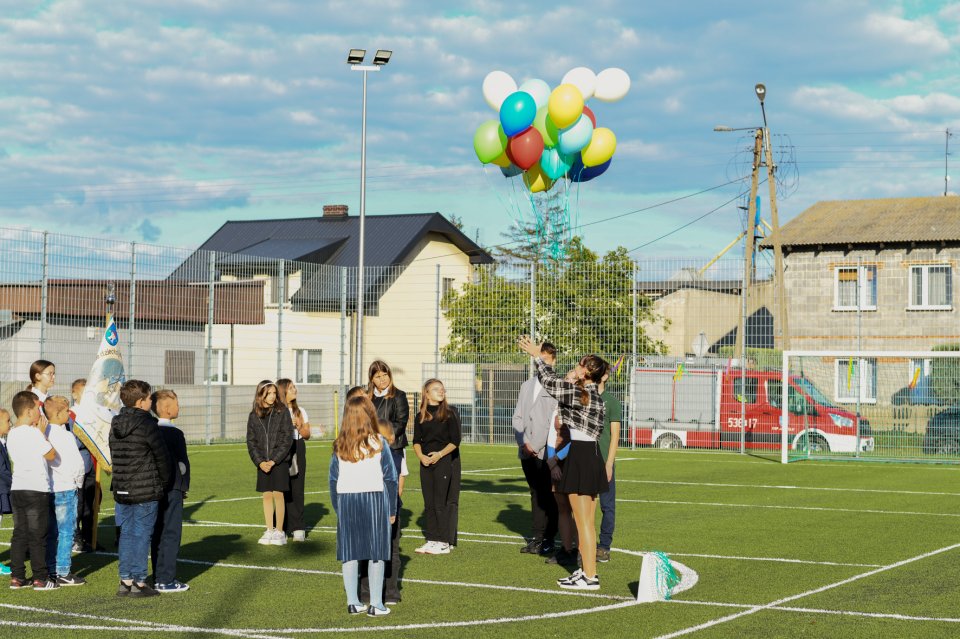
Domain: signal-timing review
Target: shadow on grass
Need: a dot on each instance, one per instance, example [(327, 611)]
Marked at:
[(515, 518), (211, 549)]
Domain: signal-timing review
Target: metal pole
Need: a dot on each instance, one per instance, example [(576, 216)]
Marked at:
[(533, 308), (946, 163), (211, 277), (778, 278), (634, 346), (43, 294), (436, 335), (743, 350), (281, 301), (859, 347), (133, 306), (363, 213), (343, 330)]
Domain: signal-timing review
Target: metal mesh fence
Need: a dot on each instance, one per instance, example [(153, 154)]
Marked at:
[(685, 331)]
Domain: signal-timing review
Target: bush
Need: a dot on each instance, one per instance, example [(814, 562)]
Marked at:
[(945, 375)]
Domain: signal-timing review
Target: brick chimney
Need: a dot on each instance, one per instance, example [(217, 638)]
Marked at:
[(335, 210)]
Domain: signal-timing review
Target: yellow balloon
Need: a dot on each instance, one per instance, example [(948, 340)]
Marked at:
[(600, 148), (565, 105), (536, 180), (501, 160)]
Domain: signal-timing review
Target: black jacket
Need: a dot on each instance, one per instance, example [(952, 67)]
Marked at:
[(141, 465), (177, 448), (395, 410), (270, 437)]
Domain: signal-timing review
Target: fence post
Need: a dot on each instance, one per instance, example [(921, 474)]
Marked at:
[(281, 298), (436, 330), (533, 308), (133, 307), (43, 294), (634, 346), (343, 331), (208, 355)]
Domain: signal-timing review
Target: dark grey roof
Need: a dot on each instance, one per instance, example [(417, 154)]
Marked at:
[(326, 242)]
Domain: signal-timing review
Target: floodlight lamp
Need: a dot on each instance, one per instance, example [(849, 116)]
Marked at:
[(356, 56), (761, 91), (381, 57)]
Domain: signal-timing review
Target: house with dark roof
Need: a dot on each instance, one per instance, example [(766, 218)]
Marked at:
[(873, 275), (310, 293)]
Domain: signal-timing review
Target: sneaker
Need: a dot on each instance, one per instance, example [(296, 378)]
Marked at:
[(4, 570), (266, 538), (373, 611), (391, 600), (579, 581), (355, 610), (532, 547), (546, 549), (17, 584), (123, 589), (279, 538), (603, 555), (563, 557), (77, 547), (71, 580), (299, 535), (142, 590), (439, 548), (173, 586), (426, 549), (45, 584)]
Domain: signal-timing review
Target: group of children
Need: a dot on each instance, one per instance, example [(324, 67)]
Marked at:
[(43, 472)]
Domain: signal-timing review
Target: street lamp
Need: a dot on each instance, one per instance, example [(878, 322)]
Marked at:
[(355, 60)]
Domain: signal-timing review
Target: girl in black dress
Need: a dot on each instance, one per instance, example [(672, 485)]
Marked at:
[(269, 439)]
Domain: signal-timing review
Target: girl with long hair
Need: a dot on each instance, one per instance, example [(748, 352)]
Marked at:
[(391, 404), (42, 375), (581, 410), (436, 441), (269, 439), (294, 498), (363, 490)]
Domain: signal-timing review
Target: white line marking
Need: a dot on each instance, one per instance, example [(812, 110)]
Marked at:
[(775, 487), (823, 611), (775, 507), (488, 470), (807, 593)]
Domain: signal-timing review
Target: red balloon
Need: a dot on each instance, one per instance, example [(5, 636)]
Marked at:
[(525, 149), (587, 112)]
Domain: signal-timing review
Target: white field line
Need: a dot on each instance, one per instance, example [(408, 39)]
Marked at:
[(823, 611), (488, 470), (789, 487), (813, 466), (775, 507), (137, 626), (814, 591)]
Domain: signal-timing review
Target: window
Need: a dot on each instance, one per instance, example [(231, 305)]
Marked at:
[(931, 287), (745, 390), (219, 366), (796, 402), (308, 367), (447, 287), (178, 367), (860, 376), (848, 280)]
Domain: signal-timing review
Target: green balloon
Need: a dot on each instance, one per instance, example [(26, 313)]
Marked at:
[(489, 141), (546, 128)]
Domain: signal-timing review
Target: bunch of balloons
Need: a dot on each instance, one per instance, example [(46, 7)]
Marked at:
[(549, 134)]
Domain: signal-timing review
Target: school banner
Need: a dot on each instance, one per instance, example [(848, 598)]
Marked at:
[(101, 398)]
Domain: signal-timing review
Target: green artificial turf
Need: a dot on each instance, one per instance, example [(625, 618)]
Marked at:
[(758, 533)]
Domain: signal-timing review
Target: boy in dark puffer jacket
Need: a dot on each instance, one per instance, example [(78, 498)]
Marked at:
[(141, 472)]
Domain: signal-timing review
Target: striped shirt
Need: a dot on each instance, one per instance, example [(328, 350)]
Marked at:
[(574, 415)]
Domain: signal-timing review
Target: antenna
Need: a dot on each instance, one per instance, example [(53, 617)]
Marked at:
[(946, 159)]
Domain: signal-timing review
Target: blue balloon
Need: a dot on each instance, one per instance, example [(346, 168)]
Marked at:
[(511, 171), (517, 113), (554, 163), (576, 136), (580, 173)]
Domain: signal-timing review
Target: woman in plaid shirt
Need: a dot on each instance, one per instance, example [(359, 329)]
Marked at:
[(584, 476)]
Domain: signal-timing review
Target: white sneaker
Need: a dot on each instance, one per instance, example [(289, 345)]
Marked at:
[(279, 538), (426, 548), (439, 548), (267, 538), (299, 535)]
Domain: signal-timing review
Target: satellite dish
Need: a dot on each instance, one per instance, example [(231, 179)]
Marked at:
[(700, 344)]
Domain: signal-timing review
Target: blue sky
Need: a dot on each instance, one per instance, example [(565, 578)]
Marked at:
[(158, 120)]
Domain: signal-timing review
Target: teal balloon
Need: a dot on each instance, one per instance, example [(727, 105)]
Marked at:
[(576, 136), (554, 163), (539, 90), (517, 113)]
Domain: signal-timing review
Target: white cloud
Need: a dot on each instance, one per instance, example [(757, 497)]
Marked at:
[(303, 117), (922, 34), (662, 75)]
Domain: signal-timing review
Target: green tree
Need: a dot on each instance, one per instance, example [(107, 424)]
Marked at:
[(584, 305), (945, 375)]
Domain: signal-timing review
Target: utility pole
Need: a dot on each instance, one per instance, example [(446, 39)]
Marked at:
[(741, 343), (946, 159)]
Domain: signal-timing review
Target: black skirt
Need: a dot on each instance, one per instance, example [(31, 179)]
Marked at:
[(583, 470), (278, 479)]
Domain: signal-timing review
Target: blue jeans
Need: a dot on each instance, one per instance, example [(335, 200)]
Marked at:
[(63, 523), (608, 506), (136, 523)]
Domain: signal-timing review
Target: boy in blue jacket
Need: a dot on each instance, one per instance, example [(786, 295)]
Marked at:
[(169, 526)]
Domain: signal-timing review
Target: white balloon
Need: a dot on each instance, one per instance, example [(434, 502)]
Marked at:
[(582, 78), (496, 87), (612, 85), (539, 90)]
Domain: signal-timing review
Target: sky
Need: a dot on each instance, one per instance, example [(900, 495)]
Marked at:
[(158, 120)]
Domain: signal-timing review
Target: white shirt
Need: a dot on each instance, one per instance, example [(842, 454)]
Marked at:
[(66, 469), (380, 393), (537, 387), (364, 476), (404, 471), (306, 420), (27, 446), (39, 393)]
